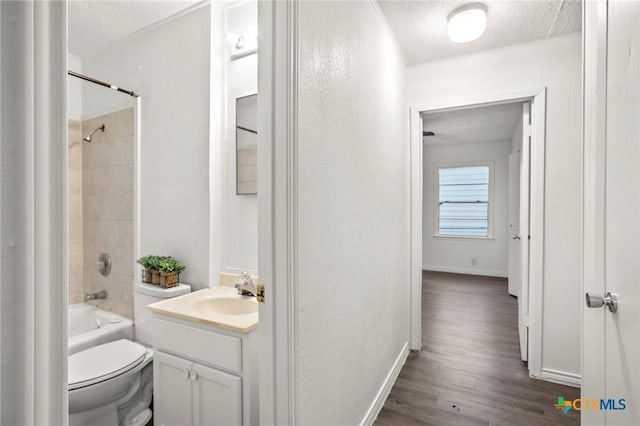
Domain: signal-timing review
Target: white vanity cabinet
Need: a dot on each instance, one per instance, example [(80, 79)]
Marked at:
[(202, 375), (188, 393)]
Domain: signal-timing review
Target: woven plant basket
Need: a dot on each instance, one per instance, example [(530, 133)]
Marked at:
[(161, 279), (169, 279)]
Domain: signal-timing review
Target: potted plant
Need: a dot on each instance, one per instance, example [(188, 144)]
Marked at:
[(150, 265), (163, 271), (169, 269)]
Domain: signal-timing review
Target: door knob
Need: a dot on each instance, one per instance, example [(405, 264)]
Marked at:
[(595, 301)]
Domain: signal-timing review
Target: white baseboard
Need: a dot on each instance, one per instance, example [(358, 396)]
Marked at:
[(383, 392), (560, 377), (468, 271)]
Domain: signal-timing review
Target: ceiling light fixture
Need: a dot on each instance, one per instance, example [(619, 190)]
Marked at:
[(467, 23)]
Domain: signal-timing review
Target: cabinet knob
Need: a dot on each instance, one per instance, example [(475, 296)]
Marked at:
[(186, 372), (193, 375)]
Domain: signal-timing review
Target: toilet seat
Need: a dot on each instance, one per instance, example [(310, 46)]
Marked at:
[(103, 362)]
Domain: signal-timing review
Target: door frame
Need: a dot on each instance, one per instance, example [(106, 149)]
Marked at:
[(277, 211), (537, 97)]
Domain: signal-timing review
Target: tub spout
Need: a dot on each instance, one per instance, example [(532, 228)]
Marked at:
[(94, 296)]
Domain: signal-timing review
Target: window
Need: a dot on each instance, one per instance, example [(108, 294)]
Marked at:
[(463, 209)]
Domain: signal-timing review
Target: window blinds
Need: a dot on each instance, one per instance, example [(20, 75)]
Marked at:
[(464, 201)]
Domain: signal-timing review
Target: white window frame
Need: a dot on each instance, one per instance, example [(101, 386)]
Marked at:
[(436, 200)]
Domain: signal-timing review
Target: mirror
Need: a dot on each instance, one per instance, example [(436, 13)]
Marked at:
[(247, 145)]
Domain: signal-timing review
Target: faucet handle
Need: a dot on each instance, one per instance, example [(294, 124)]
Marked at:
[(245, 277)]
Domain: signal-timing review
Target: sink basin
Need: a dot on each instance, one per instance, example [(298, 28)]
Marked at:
[(226, 305), (217, 306)]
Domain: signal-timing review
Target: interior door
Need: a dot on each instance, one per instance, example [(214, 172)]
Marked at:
[(622, 246), (611, 353), (515, 267), (523, 295)]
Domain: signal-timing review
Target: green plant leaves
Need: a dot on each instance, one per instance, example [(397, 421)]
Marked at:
[(161, 263)]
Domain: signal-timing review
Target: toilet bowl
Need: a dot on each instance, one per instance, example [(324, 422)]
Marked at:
[(111, 384)]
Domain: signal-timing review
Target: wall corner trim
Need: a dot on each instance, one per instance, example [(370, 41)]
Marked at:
[(385, 389), (387, 29)]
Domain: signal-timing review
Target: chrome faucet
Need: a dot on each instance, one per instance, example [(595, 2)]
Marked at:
[(94, 296), (246, 287)]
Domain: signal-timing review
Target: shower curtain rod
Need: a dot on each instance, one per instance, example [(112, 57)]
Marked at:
[(102, 83)]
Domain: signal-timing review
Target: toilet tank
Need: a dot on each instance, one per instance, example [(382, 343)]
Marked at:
[(143, 296)]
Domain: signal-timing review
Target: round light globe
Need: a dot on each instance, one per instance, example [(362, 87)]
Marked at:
[(467, 23)]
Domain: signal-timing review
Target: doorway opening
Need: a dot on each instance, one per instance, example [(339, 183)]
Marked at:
[(471, 196), (475, 334), (436, 214)]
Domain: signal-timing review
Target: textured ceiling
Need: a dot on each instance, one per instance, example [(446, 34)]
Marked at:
[(481, 124), (95, 24), (421, 26)]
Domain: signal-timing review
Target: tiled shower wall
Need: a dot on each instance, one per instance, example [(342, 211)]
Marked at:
[(107, 214), (75, 212)]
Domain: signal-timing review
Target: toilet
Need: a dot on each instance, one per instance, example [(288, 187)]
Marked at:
[(111, 384)]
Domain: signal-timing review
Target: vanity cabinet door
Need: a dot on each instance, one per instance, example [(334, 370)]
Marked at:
[(217, 397), (172, 390)]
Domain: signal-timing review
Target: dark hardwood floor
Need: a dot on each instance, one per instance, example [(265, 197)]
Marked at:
[(469, 371)]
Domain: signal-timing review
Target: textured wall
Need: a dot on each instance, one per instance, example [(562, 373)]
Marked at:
[(168, 65), (240, 212), (74, 171), (555, 64), (454, 254), (107, 191), (353, 210)]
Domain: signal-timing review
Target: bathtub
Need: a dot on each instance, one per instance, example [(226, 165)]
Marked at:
[(89, 326)]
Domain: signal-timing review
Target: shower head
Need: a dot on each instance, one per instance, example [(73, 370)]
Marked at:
[(90, 135)]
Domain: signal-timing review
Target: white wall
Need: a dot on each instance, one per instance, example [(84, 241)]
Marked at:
[(240, 212), (168, 65), (353, 210), (456, 254), (556, 64), (74, 89)]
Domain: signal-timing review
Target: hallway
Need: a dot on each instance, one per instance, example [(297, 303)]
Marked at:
[(469, 371)]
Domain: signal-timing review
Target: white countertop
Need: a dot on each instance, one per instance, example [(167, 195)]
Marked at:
[(217, 306)]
